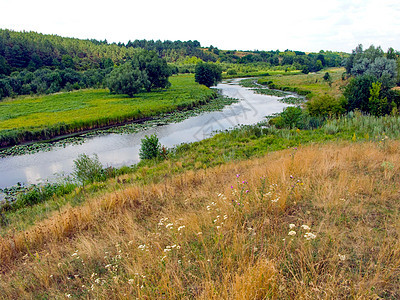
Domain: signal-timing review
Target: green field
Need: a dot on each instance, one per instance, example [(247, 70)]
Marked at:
[(42, 117), (311, 84)]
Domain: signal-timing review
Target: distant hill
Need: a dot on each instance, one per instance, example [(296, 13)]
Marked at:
[(31, 51)]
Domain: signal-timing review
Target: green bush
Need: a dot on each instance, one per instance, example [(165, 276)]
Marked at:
[(326, 105), (150, 147), (295, 117), (40, 193), (87, 170), (290, 117)]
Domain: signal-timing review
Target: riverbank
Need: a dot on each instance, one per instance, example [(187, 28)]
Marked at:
[(45, 117), (214, 104)]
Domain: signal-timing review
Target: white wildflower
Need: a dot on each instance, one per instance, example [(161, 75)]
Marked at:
[(181, 227), (292, 232), (310, 236), (275, 200), (342, 257), (305, 227), (291, 226)]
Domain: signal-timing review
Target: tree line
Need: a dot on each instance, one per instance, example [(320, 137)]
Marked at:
[(144, 72), (373, 75), (31, 51)]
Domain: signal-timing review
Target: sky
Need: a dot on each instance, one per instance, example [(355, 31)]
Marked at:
[(308, 25)]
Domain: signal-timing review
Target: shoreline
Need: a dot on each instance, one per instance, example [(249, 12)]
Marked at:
[(214, 103), (63, 131)]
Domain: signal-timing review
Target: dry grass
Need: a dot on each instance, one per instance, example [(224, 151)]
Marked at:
[(202, 235)]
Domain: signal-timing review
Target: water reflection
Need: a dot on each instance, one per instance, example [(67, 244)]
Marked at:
[(123, 149)]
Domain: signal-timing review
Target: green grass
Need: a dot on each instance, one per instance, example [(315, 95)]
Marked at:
[(311, 85), (30, 118)]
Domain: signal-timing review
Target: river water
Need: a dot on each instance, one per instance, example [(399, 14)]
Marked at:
[(123, 149)]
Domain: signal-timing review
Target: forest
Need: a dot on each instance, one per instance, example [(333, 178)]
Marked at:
[(33, 63)]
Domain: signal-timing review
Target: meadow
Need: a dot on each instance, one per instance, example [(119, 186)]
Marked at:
[(310, 85), (44, 117), (316, 221)]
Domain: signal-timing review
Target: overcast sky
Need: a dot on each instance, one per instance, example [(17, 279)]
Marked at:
[(308, 25)]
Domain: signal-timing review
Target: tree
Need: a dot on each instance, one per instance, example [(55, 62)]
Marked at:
[(391, 54), (385, 70), (127, 80), (377, 106), (67, 61), (4, 67), (327, 77), (208, 74), (156, 69), (357, 92)]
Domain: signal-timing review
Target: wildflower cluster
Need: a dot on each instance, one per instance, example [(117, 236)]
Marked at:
[(272, 194), (295, 183), (240, 193), (308, 235), (172, 233)]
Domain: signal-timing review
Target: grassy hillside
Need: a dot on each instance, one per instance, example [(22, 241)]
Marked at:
[(317, 221), (41, 117)]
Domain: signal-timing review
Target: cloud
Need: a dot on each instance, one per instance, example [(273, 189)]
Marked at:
[(308, 25)]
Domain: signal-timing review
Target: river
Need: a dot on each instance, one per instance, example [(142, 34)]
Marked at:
[(123, 149)]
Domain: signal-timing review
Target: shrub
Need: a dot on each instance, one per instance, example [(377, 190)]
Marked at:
[(291, 116), (295, 117), (40, 193), (87, 170), (326, 106), (150, 147)]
